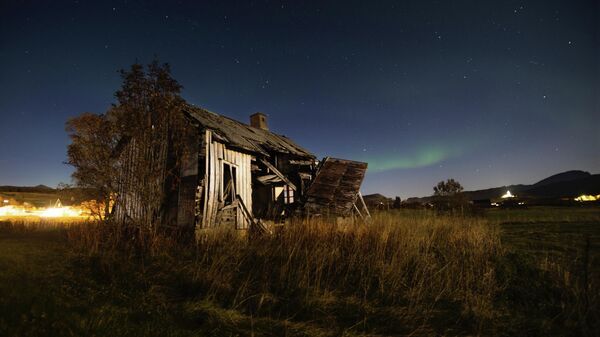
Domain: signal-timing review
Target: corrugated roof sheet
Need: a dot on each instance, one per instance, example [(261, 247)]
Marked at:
[(335, 187), (243, 136)]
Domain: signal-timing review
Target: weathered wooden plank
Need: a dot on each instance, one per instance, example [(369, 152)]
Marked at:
[(215, 185), (362, 200), (279, 174), (217, 179), (239, 179), (209, 184), (301, 162), (269, 179), (335, 187), (207, 181), (240, 184), (248, 184)]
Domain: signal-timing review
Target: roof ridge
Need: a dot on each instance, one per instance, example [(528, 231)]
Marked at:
[(246, 136)]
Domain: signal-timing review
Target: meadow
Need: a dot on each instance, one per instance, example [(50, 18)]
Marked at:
[(409, 272), (37, 199)]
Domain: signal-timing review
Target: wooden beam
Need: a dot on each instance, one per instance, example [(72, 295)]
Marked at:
[(301, 162), (279, 174), (207, 158), (256, 224), (357, 211), (364, 204)]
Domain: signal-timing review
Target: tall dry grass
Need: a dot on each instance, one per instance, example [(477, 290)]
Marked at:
[(395, 274), (404, 273)]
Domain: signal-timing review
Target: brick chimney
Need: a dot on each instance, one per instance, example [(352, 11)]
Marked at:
[(259, 120)]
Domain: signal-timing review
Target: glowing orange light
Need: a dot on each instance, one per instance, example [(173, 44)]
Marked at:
[(584, 197), (11, 211)]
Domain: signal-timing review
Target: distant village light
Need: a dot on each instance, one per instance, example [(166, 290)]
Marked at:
[(583, 198), (58, 211), (508, 195)]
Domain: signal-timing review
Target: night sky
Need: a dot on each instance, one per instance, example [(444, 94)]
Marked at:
[(487, 92)]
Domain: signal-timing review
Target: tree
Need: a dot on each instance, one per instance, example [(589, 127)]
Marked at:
[(397, 202), (449, 187), (152, 133), (448, 196), (135, 147), (93, 141)]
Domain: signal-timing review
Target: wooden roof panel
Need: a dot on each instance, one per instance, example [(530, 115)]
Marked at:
[(335, 187)]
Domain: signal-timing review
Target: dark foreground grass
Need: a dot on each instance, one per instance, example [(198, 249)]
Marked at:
[(404, 274), (555, 268)]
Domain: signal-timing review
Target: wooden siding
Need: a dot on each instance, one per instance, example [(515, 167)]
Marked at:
[(186, 201), (141, 181), (217, 155)]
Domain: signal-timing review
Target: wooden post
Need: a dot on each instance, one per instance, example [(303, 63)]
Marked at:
[(364, 204), (357, 211), (207, 183)]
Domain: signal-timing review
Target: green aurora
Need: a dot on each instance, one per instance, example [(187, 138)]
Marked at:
[(425, 156)]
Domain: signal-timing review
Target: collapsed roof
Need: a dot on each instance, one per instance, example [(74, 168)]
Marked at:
[(335, 187)]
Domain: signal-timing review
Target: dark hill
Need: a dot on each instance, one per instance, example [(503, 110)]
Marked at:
[(563, 177), (30, 189), (569, 188), (495, 192), (567, 184), (374, 200)]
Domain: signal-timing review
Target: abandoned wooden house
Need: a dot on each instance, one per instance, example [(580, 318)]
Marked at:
[(238, 175)]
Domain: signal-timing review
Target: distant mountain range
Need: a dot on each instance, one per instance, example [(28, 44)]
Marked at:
[(30, 189), (567, 184), (563, 185)]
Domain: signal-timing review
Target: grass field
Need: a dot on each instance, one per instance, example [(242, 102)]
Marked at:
[(35, 199), (560, 250), (510, 272)]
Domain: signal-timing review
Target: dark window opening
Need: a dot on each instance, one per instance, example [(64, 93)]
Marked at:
[(229, 182)]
